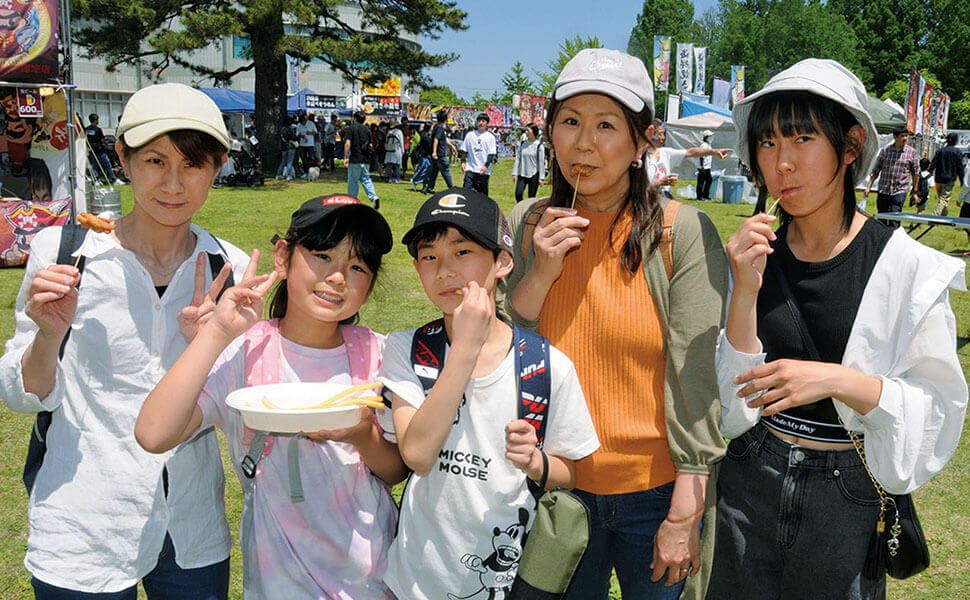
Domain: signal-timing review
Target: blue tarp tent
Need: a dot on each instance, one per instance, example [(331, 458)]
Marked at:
[(297, 101), (231, 101), (689, 108)]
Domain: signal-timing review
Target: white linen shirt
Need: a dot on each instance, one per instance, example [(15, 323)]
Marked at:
[(98, 514), (905, 334)]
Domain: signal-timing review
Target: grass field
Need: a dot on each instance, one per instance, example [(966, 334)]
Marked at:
[(250, 217)]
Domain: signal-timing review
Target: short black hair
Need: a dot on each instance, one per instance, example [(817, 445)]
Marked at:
[(441, 116), (359, 116), (788, 113), (197, 146), (535, 129), (432, 231), (93, 117), (951, 139), (900, 130)]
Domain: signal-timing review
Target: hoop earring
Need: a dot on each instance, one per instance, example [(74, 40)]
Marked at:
[(637, 164)]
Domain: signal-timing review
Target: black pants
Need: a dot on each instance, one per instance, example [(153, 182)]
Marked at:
[(890, 203), (522, 182), (438, 165), (704, 181), (328, 155), (476, 181), (308, 158)]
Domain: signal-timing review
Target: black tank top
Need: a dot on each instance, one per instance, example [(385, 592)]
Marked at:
[(829, 295)]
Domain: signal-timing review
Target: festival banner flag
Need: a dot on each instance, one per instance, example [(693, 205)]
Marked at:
[(721, 94), (934, 110), (661, 61), (533, 109), (912, 100), (28, 51), (925, 115), (685, 66), (921, 89), (737, 84), (375, 87), (943, 115), (700, 69), (673, 107)]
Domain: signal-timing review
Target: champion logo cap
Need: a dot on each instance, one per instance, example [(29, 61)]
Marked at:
[(610, 72), (473, 212)]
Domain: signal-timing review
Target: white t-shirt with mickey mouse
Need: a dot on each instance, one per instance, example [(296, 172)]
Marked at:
[(461, 524)]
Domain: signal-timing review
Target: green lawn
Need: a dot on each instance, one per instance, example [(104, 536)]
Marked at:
[(250, 217)]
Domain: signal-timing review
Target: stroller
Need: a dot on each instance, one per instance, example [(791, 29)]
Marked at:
[(247, 169)]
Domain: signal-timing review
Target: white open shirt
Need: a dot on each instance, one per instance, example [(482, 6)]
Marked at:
[(98, 514)]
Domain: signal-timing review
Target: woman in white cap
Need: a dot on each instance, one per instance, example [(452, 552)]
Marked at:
[(592, 278), (836, 324), (104, 513)]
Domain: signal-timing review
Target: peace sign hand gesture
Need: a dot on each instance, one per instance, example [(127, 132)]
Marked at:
[(194, 315), (241, 306)]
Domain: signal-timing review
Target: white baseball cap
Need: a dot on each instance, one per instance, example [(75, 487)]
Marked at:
[(165, 107), (823, 77), (611, 72)]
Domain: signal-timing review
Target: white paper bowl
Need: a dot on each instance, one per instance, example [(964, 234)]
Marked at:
[(291, 417)]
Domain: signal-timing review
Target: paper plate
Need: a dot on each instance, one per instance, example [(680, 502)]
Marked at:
[(281, 407)]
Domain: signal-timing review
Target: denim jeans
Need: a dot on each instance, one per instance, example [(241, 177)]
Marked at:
[(285, 169), (421, 171), (622, 527), (522, 182), (890, 203), (393, 172), (360, 172), (439, 165), (792, 523), (167, 581)]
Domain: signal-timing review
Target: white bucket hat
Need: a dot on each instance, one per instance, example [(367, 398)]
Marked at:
[(165, 107), (611, 72), (823, 77)]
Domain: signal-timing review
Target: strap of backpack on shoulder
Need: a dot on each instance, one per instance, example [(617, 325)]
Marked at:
[(666, 246)]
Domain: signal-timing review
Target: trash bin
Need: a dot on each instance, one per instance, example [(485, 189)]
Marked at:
[(733, 186)]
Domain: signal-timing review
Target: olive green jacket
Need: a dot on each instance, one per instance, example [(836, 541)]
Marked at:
[(692, 307)]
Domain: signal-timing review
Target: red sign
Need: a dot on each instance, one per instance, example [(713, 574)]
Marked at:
[(28, 102)]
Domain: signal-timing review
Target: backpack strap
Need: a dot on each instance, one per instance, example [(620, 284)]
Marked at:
[(72, 237), (531, 220), (428, 347), (533, 387), (666, 245), (216, 262)]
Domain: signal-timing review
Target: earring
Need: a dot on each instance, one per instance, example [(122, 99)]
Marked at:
[(637, 164)]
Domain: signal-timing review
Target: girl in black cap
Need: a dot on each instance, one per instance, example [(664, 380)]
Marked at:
[(295, 548)]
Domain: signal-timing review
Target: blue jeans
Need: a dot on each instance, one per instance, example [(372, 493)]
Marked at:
[(890, 203), (439, 165), (286, 164), (393, 172), (421, 171), (167, 581), (360, 172), (622, 527), (792, 523)]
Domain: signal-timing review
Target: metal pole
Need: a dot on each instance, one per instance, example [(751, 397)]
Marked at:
[(67, 77)]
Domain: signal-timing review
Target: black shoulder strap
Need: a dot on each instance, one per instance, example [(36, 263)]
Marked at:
[(428, 348), (72, 236), (795, 310), (216, 262)]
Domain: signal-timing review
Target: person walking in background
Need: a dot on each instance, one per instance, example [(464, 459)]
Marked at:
[(593, 278), (289, 142), (393, 152), (479, 150), (307, 131), (529, 168), (330, 143), (406, 132), (357, 156), (421, 157), (897, 168), (704, 178), (440, 147), (838, 328), (922, 195), (946, 168)]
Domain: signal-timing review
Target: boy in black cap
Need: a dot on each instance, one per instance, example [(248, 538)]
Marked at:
[(456, 386)]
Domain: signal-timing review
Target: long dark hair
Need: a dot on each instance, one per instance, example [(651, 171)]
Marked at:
[(324, 235), (642, 200), (798, 112)]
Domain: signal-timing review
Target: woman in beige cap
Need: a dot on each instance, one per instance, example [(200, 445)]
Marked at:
[(839, 334), (104, 513), (592, 278)]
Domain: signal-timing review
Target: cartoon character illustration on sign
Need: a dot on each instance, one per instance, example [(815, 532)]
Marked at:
[(497, 571)]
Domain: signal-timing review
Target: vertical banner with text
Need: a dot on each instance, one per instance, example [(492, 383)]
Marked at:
[(700, 69), (685, 67), (912, 101), (661, 61)]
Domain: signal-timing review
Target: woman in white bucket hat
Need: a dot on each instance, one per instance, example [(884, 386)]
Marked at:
[(836, 323), (104, 513)]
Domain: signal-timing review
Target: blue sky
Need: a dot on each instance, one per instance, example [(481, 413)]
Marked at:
[(503, 31)]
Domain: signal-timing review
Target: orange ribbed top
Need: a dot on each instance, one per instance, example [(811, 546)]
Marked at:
[(604, 319)]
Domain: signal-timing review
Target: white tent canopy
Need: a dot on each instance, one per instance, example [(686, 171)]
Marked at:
[(687, 133)]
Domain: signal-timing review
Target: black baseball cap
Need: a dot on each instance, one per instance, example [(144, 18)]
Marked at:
[(316, 209), (473, 212)]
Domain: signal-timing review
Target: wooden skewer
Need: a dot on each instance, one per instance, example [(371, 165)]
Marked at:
[(771, 208), (579, 174)]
